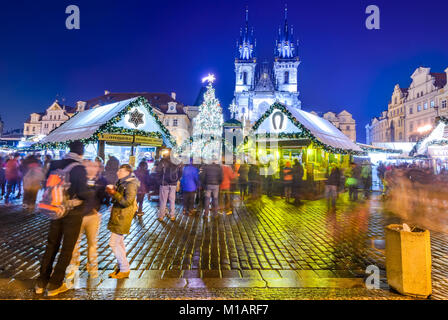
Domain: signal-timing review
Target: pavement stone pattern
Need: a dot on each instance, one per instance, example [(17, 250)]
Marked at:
[(265, 249)]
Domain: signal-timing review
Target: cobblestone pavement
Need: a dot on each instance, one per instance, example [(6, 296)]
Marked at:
[(267, 249)]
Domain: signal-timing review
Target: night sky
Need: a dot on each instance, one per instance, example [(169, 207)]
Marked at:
[(164, 46)]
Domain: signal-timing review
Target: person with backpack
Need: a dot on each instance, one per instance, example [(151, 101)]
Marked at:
[(211, 176), (91, 222), (189, 185), (65, 229), (169, 175), (124, 200)]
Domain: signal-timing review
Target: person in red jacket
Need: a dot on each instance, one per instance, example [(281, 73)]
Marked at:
[(227, 176), (12, 172)]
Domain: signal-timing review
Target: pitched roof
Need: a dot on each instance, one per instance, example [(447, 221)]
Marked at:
[(156, 100), (440, 79)]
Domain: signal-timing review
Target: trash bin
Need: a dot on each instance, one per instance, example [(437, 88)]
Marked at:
[(408, 260)]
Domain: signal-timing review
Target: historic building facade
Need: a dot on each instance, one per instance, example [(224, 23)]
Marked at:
[(343, 121), (44, 122), (258, 86), (411, 111)]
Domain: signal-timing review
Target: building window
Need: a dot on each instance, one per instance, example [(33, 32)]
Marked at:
[(411, 127), (400, 136), (347, 128), (419, 108), (432, 104), (411, 111), (286, 77), (395, 100), (34, 129), (444, 104), (425, 106), (175, 123), (167, 123), (245, 78)]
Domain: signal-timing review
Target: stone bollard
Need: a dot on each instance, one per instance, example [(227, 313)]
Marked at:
[(408, 261)]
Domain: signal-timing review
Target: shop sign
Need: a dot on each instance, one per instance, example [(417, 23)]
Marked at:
[(115, 137), (148, 141), (438, 152)]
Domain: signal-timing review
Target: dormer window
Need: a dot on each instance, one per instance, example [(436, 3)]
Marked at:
[(172, 107)]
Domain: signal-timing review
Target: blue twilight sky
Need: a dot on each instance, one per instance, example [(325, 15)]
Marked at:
[(164, 46)]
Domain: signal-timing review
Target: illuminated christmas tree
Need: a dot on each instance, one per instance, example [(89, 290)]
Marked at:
[(207, 126)]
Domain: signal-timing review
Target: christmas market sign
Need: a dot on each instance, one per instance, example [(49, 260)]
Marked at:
[(150, 141), (115, 137)]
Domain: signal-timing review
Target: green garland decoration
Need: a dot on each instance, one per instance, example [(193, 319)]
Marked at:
[(109, 127), (377, 150), (305, 133)]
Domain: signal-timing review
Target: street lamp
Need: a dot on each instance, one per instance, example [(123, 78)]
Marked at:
[(424, 128)]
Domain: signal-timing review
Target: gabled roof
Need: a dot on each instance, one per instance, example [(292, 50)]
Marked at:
[(87, 124), (324, 131)]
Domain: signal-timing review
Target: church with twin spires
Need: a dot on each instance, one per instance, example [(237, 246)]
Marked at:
[(259, 85)]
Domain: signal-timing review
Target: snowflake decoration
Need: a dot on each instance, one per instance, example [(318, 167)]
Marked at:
[(233, 108), (136, 118)]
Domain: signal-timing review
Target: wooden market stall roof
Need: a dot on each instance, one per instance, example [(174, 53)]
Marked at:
[(302, 124), (132, 116)]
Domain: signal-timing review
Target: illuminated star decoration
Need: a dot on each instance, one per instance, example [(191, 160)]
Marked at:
[(136, 118), (233, 108), (210, 78)]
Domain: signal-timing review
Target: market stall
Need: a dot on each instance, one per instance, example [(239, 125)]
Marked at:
[(128, 130), (434, 146), (284, 134)]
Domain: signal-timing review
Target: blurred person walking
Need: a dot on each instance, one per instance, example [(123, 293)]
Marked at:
[(124, 201), (287, 181), (366, 177), (2, 178), (12, 175), (169, 176), (331, 186), (212, 178), (142, 174), (297, 173), (352, 180), (32, 182), (66, 229), (225, 199), (110, 173), (190, 185), (243, 179), (91, 222)]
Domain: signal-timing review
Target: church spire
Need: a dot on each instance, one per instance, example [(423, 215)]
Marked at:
[(285, 48), (246, 43)]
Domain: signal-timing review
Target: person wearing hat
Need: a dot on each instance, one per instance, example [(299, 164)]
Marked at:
[(65, 230)]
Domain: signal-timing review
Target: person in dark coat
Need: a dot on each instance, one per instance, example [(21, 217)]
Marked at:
[(142, 174), (211, 176), (331, 187), (298, 172), (243, 179)]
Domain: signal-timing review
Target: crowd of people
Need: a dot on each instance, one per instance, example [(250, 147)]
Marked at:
[(415, 193), (205, 190)]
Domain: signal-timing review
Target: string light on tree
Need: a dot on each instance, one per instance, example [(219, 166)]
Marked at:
[(207, 126)]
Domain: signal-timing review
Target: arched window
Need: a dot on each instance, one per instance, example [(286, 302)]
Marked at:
[(245, 78), (286, 77)]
